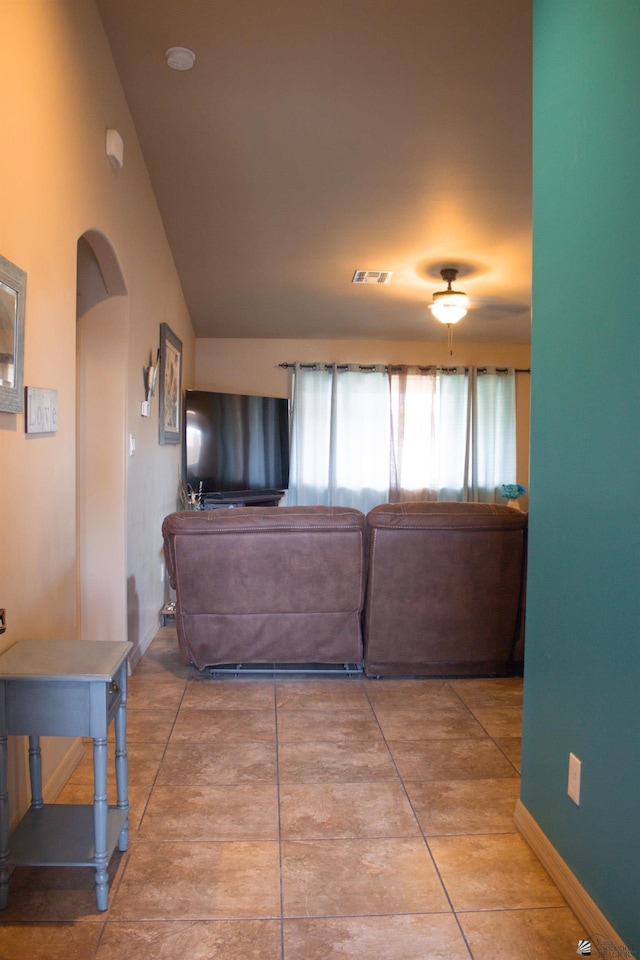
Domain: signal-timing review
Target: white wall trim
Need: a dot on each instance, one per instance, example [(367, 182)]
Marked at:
[(595, 922), (142, 646)]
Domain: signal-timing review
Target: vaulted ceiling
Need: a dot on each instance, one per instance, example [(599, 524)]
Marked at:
[(314, 138)]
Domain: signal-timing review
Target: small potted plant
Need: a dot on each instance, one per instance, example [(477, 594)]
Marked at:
[(513, 492)]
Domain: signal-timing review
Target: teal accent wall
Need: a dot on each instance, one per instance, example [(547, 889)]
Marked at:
[(582, 669)]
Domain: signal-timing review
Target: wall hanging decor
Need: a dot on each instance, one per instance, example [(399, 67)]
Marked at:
[(42, 410), (13, 286), (170, 385)]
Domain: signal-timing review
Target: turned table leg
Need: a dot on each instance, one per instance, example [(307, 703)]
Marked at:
[(100, 818)]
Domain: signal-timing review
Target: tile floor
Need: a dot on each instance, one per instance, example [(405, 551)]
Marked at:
[(305, 819)]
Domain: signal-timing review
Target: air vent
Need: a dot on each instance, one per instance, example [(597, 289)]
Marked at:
[(372, 276)]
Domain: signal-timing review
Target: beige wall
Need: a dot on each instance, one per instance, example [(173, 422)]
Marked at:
[(60, 94), (252, 366)]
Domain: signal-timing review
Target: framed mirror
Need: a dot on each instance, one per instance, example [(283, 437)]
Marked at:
[(13, 286)]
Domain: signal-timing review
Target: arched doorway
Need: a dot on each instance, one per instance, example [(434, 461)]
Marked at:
[(101, 350)]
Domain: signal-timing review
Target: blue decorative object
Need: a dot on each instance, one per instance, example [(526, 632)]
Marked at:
[(513, 491)]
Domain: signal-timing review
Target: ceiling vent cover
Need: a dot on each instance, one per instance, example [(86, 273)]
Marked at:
[(372, 276)]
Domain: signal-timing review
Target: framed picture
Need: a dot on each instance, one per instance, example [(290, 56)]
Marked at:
[(13, 285), (170, 385)]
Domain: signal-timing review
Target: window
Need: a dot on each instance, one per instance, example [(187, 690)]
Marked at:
[(368, 435)]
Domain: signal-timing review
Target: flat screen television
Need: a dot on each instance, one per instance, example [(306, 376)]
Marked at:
[(235, 443)]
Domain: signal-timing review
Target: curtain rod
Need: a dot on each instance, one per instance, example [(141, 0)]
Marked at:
[(372, 366)]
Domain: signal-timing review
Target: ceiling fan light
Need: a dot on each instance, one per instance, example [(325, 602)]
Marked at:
[(449, 306)]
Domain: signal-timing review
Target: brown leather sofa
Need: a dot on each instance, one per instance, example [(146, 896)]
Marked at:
[(445, 594), (289, 585), (265, 585)]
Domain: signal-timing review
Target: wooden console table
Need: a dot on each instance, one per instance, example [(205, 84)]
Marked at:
[(65, 688)]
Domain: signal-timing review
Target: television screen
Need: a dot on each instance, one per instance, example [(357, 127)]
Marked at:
[(235, 442)]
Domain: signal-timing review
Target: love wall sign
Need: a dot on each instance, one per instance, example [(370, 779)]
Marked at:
[(42, 410)]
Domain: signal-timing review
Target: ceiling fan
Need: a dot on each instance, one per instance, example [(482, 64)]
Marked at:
[(471, 270), (449, 306)]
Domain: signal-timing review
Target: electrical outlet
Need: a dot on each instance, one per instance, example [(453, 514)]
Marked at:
[(573, 786)]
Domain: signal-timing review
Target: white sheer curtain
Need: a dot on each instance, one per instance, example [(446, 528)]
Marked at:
[(340, 435), (493, 432), (429, 415), (366, 435), (454, 433)]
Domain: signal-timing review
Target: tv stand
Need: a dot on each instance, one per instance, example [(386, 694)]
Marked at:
[(242, 498)]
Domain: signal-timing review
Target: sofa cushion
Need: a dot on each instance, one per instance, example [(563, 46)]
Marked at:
[(444, 595), (268, 584)]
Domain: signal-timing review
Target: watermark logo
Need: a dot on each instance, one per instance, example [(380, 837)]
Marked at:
[(604, 948)]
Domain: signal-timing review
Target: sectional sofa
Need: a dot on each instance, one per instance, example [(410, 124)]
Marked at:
[(412, 589)]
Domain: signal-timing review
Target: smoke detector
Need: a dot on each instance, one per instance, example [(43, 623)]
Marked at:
[(180, 58), (372, 276)]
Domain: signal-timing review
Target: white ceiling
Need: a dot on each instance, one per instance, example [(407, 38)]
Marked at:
[(313, 138)]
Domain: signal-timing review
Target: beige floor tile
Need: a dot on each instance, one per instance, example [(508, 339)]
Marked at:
[(143, 763), (163, 657), (521, 934), (161, 667), (191, 940), (200, 881), (330, 810), (335, 762), (49, 941), (230, 694), (484, 690), (408, 693), (500, 719), (342, 694), (146, 693), (148, 726), (450, 760), (449, 721), (164, 636), (224, 725), (512, 748), (348, 725), (359, 877), (496, 872), (209, 763), (416, 937), (496, 703), (53, 894), (230, 812), (160, 676), (446, 807)]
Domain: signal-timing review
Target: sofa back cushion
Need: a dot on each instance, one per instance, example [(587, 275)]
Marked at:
[(268, 584), (445, 588)]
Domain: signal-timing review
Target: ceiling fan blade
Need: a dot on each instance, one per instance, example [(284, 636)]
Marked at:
[(493, 305)]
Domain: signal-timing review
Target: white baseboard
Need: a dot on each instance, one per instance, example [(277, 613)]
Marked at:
[(587, 912), (141, 647)]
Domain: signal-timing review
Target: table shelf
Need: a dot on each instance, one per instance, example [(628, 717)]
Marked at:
[(61, 835)]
